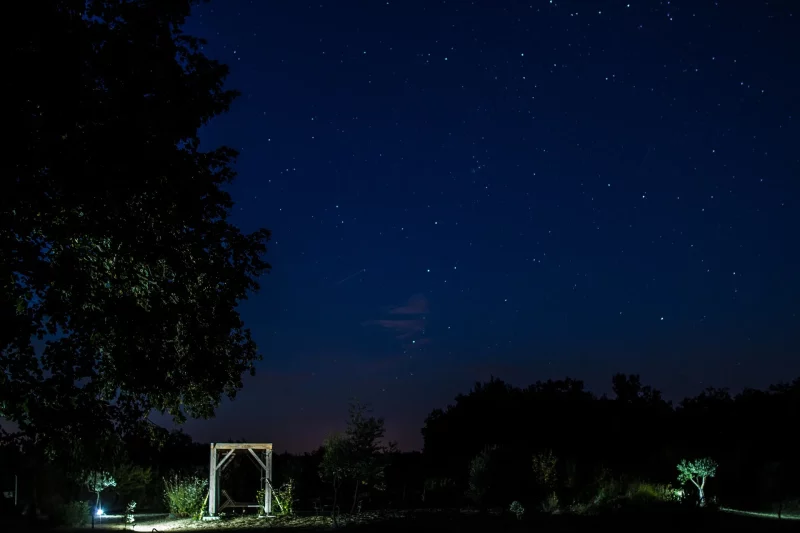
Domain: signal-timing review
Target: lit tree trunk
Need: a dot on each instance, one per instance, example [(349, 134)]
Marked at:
[(701, 491)]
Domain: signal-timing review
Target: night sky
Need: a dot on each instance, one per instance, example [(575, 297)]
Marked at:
[(530, 189)]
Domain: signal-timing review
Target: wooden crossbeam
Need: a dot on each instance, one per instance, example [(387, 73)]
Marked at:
[(225, 459), (243, 446)]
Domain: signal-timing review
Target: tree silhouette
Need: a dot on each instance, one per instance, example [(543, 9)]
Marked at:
[(115, 245), (336, 466), (364, 434)]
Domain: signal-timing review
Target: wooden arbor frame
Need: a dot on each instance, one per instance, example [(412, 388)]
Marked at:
[(217, 465)]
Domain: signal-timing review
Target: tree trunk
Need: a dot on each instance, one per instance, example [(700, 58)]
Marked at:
[(701, 492), (333, 507), (355, 498)]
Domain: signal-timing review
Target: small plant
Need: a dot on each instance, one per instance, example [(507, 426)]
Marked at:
[(72, 514), (517, 509), (185, 496), (130, 520), (260, 496), (284, 497), (697, 472)]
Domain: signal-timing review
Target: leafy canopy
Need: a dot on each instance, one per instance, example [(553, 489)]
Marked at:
[(120, 272), (696, 471), (336, 465)]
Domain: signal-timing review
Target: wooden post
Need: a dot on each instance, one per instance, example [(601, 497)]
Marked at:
[(213, 498), (268, 488), (216, 465)]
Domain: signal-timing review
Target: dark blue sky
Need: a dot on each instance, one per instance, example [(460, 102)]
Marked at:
[(526, 189)]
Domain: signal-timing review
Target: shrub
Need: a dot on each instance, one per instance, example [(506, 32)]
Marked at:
[(517, 509), (649, 493), (72, 514), (283, 499), (185, 496), (130, 509)]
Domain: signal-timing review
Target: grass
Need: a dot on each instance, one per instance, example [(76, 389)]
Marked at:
[(468, 522)]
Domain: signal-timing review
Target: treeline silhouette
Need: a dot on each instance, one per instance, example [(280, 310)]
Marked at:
[(635, 433), (631, 435)]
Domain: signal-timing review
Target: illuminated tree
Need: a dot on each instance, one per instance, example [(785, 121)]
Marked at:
[(97, 482), (115, 246), (697, 472)]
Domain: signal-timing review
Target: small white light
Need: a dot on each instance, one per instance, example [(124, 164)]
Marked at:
[(99, 512)]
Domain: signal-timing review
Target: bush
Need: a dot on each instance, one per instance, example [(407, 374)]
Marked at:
[(649, 493), (481, 470), (72, 514), (517, 509), (185, 496), (615, 495)]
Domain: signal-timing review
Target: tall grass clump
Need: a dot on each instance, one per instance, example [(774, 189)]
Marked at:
[(185, 495)]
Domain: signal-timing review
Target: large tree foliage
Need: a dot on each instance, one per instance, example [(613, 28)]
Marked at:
[(115, 244)]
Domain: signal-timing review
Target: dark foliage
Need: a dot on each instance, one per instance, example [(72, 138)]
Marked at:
[(115, 245), (635, 434)]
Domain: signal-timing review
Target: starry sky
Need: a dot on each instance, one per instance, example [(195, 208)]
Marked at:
[(531, 190)]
